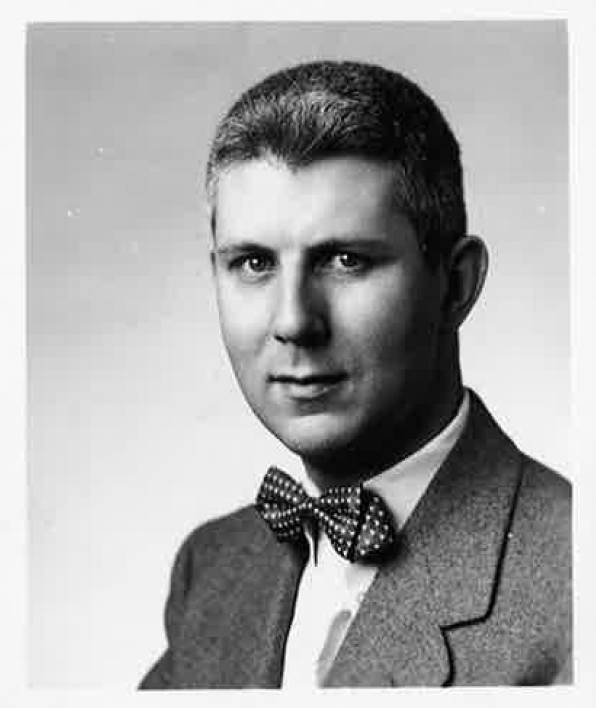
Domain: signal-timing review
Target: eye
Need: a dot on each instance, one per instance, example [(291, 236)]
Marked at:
[(252, 265), (255, 264), (347, 262)]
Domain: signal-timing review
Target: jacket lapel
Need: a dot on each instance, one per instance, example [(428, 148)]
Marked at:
[(445, 569), (256, 651), (237, 635)]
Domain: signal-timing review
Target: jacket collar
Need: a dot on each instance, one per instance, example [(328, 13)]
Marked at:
[(445, 570)]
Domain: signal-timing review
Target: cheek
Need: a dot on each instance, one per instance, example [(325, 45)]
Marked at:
[(243, 325), (395, 325)]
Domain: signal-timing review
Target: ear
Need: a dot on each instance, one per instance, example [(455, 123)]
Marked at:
[(465, 270)]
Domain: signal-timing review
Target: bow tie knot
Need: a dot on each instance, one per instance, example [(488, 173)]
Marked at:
[(355, 519)]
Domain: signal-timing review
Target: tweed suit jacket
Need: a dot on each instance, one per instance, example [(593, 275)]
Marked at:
[(479, 592)]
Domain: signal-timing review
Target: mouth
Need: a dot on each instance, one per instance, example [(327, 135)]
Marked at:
[(307, 387)]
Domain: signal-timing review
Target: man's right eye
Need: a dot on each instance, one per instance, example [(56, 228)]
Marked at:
[(252, 266)]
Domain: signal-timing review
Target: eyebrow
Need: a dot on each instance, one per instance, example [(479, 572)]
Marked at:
[(240, 247)]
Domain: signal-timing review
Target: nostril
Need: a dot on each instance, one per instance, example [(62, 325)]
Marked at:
[(299, 325), (308, 333)]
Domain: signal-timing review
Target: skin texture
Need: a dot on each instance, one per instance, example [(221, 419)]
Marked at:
[(342, 339)]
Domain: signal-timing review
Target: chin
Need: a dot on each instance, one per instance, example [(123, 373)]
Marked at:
[(315, 439)]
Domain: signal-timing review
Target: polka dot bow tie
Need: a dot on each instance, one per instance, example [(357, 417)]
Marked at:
[(355, 519)]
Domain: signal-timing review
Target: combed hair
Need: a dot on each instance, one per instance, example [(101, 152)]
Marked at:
[(323, 109)]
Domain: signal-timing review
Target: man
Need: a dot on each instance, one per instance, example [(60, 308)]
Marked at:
[(420, 546)]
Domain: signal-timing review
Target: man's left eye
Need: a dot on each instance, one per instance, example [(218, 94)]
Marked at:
[(346, 261)]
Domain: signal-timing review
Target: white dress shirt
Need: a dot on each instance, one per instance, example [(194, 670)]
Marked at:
[(332, 589)]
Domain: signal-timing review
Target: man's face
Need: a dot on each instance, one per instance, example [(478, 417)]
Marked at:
[(330, 317)]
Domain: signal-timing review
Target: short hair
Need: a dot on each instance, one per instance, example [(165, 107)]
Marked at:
[(328, 108)]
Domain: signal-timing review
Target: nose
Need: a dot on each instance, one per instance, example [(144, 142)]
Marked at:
[(300, 311)]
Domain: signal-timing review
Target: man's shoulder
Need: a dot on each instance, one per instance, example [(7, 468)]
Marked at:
[(553, 485), (545, 498), (485, 431)]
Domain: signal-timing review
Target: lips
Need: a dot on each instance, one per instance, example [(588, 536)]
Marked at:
[(307, 387), (307, 379)]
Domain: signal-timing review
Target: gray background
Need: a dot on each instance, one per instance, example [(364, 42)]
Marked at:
[(136, 429)]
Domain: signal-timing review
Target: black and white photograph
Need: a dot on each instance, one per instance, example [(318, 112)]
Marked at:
[(299, 375)]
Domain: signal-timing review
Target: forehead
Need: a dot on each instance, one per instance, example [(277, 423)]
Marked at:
[(341, 193)]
